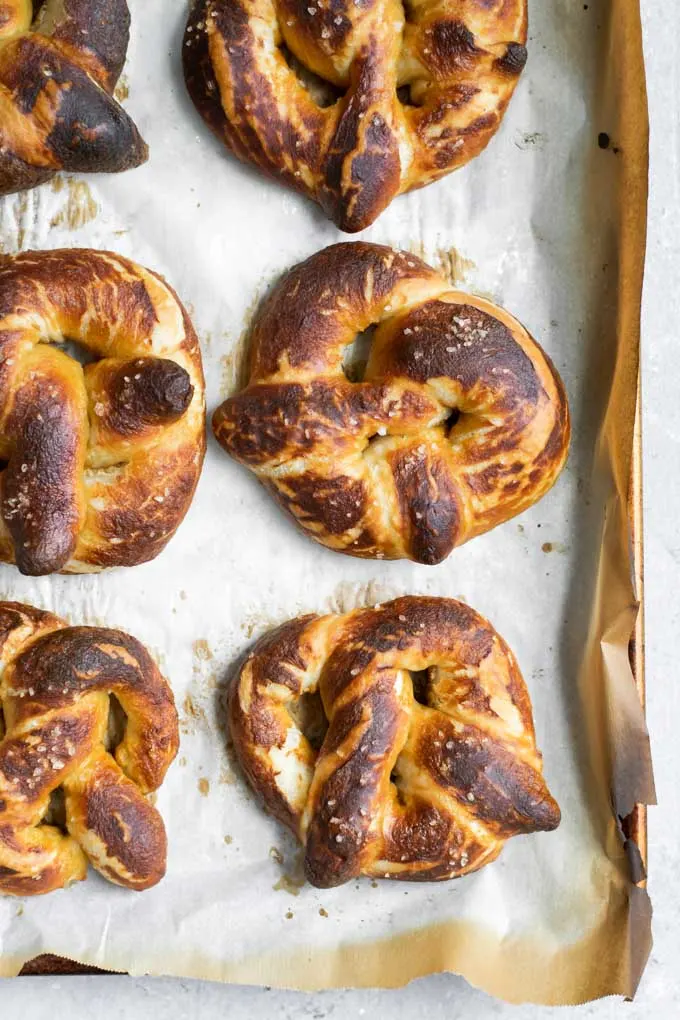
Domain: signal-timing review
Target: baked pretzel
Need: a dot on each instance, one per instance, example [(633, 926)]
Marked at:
[(420, 776), (460, 422), (352, 102), (59, 64), (54, 692), (101, 461)]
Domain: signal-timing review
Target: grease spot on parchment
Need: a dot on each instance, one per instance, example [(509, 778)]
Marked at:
[(202, 652), (228, 840), (193, 714), (349, 595), (322, 912), (526, 140), (454, 266), (234, 364), (204, 786), (122, 90), (289, 915), (80, 207), (293, 878), (227, 776), (258, 623)]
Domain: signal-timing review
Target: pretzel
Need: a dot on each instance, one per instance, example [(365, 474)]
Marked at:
[(460, 422), (59, 64), (418, 778), (101, 461), (54, 691), (352, 102)]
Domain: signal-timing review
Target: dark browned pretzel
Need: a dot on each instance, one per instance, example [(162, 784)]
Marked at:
[(54, 694), (59, 64), (418, 777), (353, 102), (101, 461), (460, 421)]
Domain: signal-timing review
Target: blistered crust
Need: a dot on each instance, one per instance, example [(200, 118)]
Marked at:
[(419, 777), (54, 694), (459, 423), (458, 62), (101, 461), (57, 76)]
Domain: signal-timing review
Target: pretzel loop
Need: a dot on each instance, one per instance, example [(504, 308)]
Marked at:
[(429, 763), (54, 694), (101, 460), (459, 423), (353, 102), (58, 71)]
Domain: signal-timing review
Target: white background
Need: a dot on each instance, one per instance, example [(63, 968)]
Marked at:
[(446, 995)]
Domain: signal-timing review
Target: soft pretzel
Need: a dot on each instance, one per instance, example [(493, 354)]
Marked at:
[(353, 102), (460, 422), (101, 461), (59, 64), (54, 691), (420, 776)]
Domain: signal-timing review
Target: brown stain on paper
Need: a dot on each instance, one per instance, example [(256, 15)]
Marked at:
[(204, 786), (80, 207), (122, 90), (452, 265)]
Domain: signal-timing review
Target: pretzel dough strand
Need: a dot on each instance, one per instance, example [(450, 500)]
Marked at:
[(57, 76), (459, 423), (458, 60), (101, 461), (54, 693), (423, 789)]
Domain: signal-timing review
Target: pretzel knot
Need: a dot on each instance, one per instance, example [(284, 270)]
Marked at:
[(54, 693), (353, 102), (101, 461), (429, 763), (459, 423), (57, 75)]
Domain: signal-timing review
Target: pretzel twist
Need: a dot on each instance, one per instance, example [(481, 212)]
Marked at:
[(424, 789), (101, 461), (54, 693), (408, 92), (58, 71), (460, 422)]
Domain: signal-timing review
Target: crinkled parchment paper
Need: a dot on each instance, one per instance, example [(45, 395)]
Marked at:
[(548, 223)]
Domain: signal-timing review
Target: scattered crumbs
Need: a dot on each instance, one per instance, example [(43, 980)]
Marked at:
[(530, 140), (228, 840), (182, 761), (276, 854), (20, 910), (374, 884), (202, 650), (203, 786), (454, 266), (558, 547), (80, 207), (520, 528), (322, 912), (122, 90), (289, 915)]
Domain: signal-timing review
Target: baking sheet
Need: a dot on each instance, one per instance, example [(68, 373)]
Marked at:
[(548, 224)]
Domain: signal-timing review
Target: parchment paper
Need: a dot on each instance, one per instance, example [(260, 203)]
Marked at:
[(550, 225)]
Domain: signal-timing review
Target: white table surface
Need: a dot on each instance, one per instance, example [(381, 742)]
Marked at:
[(122, 998)]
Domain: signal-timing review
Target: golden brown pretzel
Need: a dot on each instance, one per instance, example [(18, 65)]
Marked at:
[(460, 422), (416, 90), (101, 462), (54, 691), (59, 64), (418, 777)]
